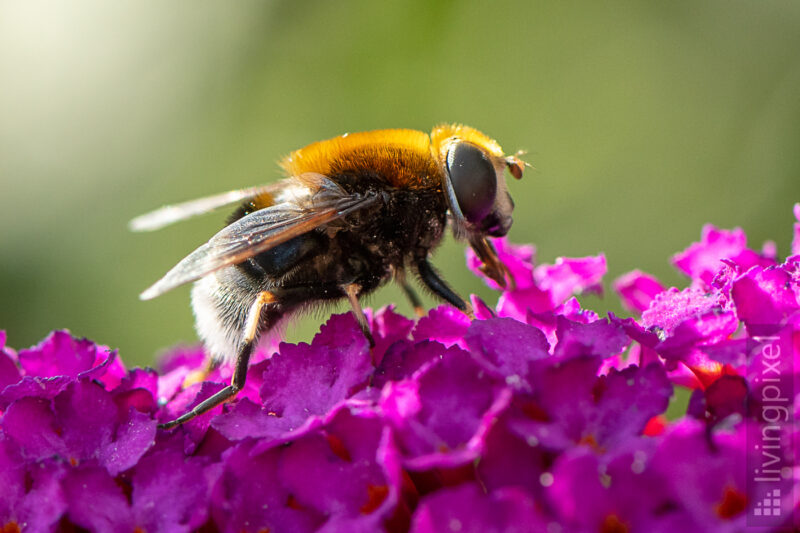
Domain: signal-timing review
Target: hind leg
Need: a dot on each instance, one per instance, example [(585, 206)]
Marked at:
[(256, 321)]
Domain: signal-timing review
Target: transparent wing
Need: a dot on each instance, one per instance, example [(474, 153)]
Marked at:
[(260, 231), (175, 213)]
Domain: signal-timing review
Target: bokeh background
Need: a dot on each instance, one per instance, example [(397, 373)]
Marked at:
[(643, 120)]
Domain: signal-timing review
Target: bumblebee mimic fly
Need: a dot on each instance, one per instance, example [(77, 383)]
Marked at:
[(353, 212)]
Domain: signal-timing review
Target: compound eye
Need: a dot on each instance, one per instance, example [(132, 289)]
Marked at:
[(473, 180)]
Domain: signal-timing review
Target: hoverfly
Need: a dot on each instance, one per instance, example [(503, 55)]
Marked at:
[(353, 212)]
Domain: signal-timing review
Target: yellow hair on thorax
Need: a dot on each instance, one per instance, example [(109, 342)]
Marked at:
[(402, 157)]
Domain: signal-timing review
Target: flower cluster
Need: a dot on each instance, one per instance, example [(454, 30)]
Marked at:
[(538, 415)]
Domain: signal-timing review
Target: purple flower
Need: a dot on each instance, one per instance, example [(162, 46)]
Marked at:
[(570, 276), (302, 381), (708, 478), (466, 508), (507, 348), (545, 287), (9, 372), (575, 407), (441, 415), (796, 238), (448, 423), (637, 289), (81, 424), (31, 498), (332, 477), (47, 368), (672, 307), (518, 259), (702, 260), (618, 492), (444, 324), (168, 493), (765, 296)]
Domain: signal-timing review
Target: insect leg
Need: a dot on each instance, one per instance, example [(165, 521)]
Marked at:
[(252, 329), (351, 290), (436, 284), (408, 290)]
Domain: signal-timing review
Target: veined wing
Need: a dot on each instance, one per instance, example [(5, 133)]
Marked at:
[(262, 230), (175, 213)]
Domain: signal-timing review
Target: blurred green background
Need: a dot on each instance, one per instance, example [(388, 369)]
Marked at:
[(643, 120)]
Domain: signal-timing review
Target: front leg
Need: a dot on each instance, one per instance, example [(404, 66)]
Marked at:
[(439, 287)]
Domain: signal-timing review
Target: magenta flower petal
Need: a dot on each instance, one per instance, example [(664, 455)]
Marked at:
[(507, 347), (572, 310), (12, 479), (706, 329), (618, 493), (95, 501), (336, 471), (728, 352), (60, 354), (467, 509), (598, 339), (169, 493), (518, 259), (176, 365), (5, 349), (81, 424), (635, 331), (570, 276), (547, 321), (388, 327), (709, 481), (702, 260), (544, 288), (796, 227), (625, 401), (305, 380), (138, 390), (34, 387), (575, 407), (107, 369), (439, 417), (248, 495), (481, 309), (445, 324), (518, 303), (250, 420), (671, 307), (512, 458), (182, 357), (724, 397), (403, 360), (194, 430), (765, 296), (31, 497), (134, 435), (637, 289), (91, 428), (9, 373), (31, 425)]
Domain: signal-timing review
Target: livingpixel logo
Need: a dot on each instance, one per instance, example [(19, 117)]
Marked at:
[(771, 446)]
